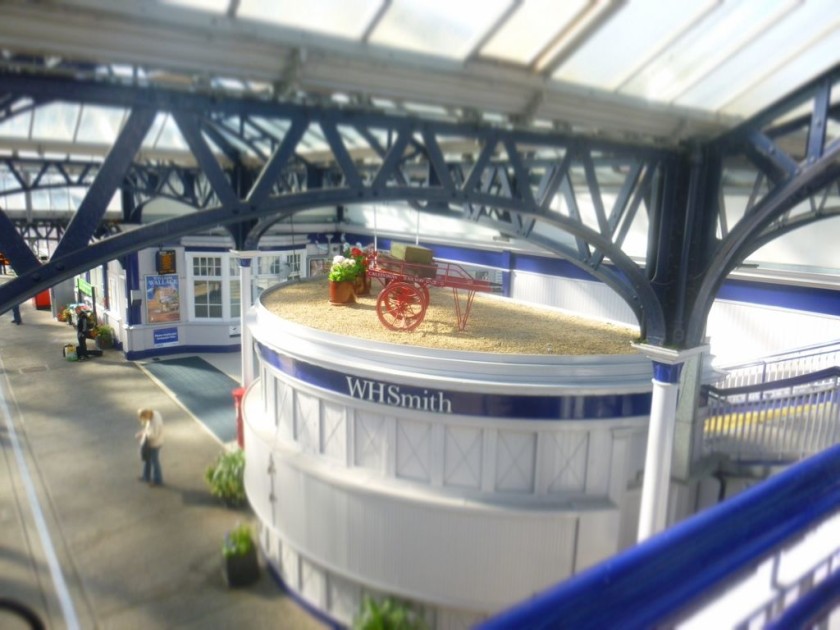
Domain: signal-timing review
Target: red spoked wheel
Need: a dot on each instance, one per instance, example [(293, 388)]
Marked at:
[(401, 306)]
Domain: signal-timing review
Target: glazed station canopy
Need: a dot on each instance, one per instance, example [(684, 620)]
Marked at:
[(638, 70)]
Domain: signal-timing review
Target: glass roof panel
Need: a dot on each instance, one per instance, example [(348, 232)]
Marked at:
[(775, 47), (333, 17), (692, 56), (629, 40), (276, 128), (216, 6), (787, 77), (17, 126), (531, 28), (100, 124), (170, 136), (154, 131), (437, 27), (56, 121)]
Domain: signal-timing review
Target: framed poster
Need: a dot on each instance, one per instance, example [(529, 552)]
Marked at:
[(319, 266), (163, 299)]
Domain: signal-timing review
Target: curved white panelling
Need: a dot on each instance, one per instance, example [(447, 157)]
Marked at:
[(583, 298), (459, 512), (468, 556)]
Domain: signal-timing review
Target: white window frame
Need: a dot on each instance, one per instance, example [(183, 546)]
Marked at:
[(228, 268)]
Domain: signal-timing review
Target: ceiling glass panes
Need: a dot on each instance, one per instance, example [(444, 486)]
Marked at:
[(730, 86), (100, 124), (344, 18), (216, 6), (703, 63), (702, 48), (442, 28), (633, 37), (56, 121), (531, 28)]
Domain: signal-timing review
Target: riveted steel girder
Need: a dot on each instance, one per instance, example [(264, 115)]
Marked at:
[(529, 184)]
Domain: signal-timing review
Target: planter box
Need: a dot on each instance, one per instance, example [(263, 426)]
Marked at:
[(397, 265), (241, 570), (412, 253)]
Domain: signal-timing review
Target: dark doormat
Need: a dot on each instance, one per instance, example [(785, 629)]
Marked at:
[(203, 389)]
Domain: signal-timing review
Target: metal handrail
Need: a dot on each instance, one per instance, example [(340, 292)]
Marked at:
[(804, 351), (665, 578), (780, 421), (782, 365)]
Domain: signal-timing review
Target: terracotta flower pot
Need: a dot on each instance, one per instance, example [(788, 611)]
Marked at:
[(342, 292)]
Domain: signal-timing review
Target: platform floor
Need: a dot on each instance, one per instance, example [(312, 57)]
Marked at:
[(82, 541)]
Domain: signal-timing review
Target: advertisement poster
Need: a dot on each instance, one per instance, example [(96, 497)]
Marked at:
[(163, 300)]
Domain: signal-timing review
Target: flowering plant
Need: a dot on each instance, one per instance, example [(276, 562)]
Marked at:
[(360, 258), (343, 269)]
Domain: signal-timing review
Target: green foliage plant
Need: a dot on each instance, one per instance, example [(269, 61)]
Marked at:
[(388, 614), (238, 541), (343, 269), (226, 477), (105, 334)]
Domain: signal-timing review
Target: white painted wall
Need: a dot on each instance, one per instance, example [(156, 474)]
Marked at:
[(462, 514)]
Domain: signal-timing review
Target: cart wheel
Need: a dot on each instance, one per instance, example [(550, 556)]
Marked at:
[(401, 306), (425, 289)]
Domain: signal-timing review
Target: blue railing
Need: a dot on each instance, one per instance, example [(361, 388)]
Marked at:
[(668, 577)]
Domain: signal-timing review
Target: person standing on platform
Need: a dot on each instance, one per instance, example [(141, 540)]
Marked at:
[(16, 315), (152, 435), (82, 329)]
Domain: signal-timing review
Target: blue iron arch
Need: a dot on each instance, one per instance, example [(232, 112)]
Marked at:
[(295, 157)]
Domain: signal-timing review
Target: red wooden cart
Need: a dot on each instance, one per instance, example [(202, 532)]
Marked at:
[(402, 302)]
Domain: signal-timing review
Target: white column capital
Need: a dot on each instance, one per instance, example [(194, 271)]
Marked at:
[(246, 254), (669, 356)]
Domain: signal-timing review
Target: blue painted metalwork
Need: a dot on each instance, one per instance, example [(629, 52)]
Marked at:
[(648, 585), (591, 407), (508, 180), (666, 372), (107, 182)]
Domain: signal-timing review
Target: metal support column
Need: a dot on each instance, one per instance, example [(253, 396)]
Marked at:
[(245, 258), (660, 445)]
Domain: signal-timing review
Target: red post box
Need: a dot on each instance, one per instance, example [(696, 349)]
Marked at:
[(238, 394)]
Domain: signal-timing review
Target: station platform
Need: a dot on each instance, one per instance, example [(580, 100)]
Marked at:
[(83, 542)]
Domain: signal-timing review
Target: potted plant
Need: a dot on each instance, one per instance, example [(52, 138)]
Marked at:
[(361, 284), (103, 336), (226, 478), (239, 557), (388, 614), (343, 272), (66, 315)]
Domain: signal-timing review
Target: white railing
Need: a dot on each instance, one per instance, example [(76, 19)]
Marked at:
[(777, 409), (781, 366), (783, 421), (767, 590)]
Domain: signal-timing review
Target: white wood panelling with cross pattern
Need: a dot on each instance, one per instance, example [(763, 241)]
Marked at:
[(461, 515)]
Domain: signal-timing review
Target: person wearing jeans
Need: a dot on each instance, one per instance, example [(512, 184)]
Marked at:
[(152, 434)]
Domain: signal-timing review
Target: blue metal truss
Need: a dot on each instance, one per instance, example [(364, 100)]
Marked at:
[(278, 159)]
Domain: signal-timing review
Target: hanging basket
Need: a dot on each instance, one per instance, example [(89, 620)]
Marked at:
[(341, 292)]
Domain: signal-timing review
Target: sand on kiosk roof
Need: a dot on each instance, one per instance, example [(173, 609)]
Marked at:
[(494, 325)]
